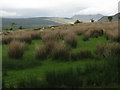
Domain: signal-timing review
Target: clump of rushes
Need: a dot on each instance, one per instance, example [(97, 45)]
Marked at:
[(50, 36), (40, 52), (85, 53), (86, 37), (23, 38), (100, 49), (96, 33), (6, 39), (71, 40), (16, 49), (112, 36), (92, 33), (112, 50), (81, 54), (35, 35), (108, 50), (49, 45), (63, 33), (60, 51)]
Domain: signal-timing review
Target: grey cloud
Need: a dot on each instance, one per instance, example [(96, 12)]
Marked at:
[(67, 11)]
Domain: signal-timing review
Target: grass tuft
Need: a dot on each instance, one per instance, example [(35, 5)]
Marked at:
[(40, 52), (71, 40), (16, 49), (60, 51)]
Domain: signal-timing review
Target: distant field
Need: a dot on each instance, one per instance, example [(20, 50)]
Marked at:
[(77, 55)]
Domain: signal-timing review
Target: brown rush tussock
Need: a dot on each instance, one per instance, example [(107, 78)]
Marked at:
[(71, 40), (16, 49)]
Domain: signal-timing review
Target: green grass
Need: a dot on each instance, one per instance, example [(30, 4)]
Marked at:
[(41, 67), (91, 43)]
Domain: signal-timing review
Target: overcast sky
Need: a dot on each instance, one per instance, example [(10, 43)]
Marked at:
[(56, 8)]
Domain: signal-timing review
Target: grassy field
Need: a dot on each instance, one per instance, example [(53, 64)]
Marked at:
[(94, 71)]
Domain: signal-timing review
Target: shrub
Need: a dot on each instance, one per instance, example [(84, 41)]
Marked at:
[(60, 51), (71, 40), (77, 21), (92, 20), (11, 29), (16, 49), (20, 27), (37, 29), (40, 52), (110, 18)]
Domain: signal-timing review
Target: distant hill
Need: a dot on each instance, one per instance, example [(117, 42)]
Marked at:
[(34, 22), (105, 18), (46, 21), (86, 18), (62, 20)]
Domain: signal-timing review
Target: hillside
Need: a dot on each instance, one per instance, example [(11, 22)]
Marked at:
[(86, 18), (46, 21), (33, 22), (105, 18)]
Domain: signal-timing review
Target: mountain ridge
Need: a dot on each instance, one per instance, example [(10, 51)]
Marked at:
[(33, 22), (86, 18), (116, 17)]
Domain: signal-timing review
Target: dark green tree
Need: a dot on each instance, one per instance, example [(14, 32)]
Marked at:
[(77, 21), (92, 20), (110, 18), (21, 27), (13, 25)]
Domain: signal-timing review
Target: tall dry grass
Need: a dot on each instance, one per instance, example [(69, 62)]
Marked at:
[(71, 40), (35, 35), (50, 35), (109, 50), (23, 38), (60, 52), (108, 29), (81, 54), (40, 52), (49, 45), (16, 49), (7, 39)]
